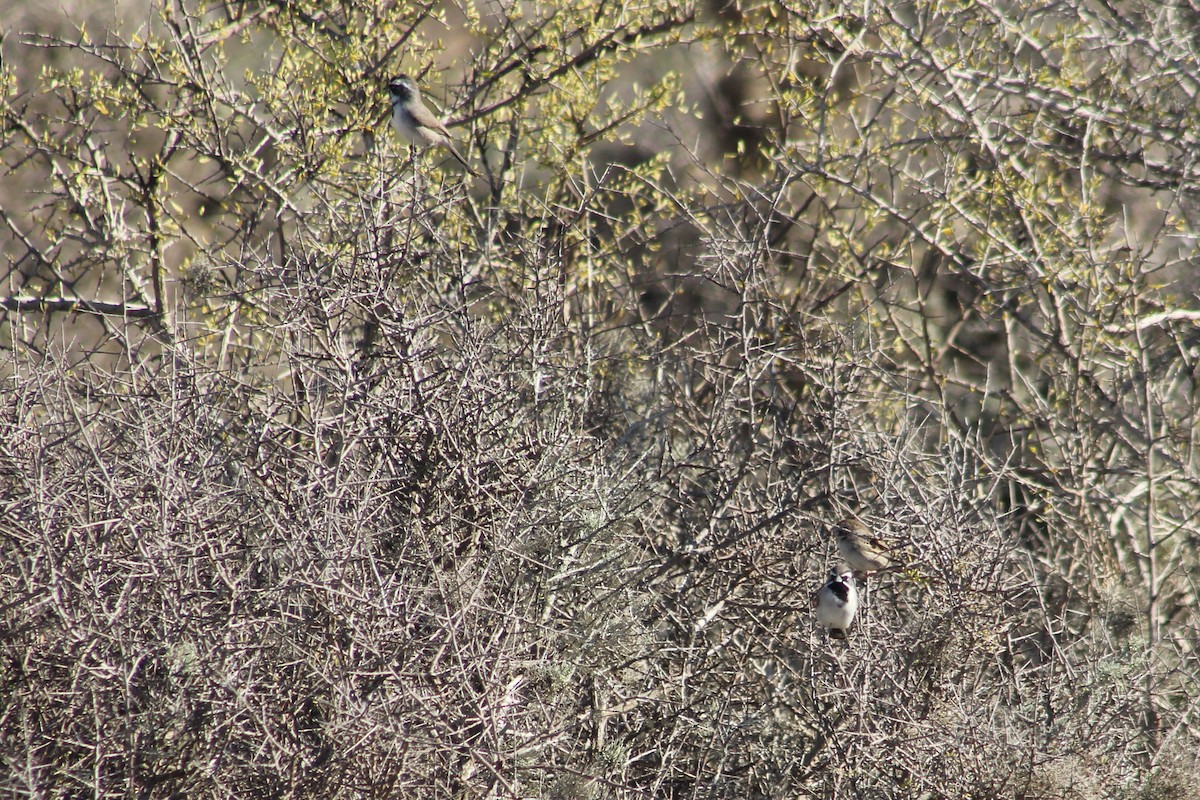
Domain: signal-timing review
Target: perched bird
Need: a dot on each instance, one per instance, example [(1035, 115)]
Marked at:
[(836, 602), (858, 548), (413, 120)]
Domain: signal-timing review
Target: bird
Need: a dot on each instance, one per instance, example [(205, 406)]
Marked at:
[(413, 120), (836, 603), (858, 548)]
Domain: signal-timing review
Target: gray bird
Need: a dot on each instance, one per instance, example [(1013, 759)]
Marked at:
[(858, 548), (836, 603), (413, 120)]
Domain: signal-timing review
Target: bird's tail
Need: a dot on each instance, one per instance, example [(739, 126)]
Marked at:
[(458, 156)]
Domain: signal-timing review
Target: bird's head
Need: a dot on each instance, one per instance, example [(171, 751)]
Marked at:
[(849, 528), (402, 89), (841, 575)]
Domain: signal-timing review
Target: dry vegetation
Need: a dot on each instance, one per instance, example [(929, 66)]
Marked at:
[(326, 473)]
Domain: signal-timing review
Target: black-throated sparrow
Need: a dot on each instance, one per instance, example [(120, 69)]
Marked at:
[(836, 602), (413, 120)]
